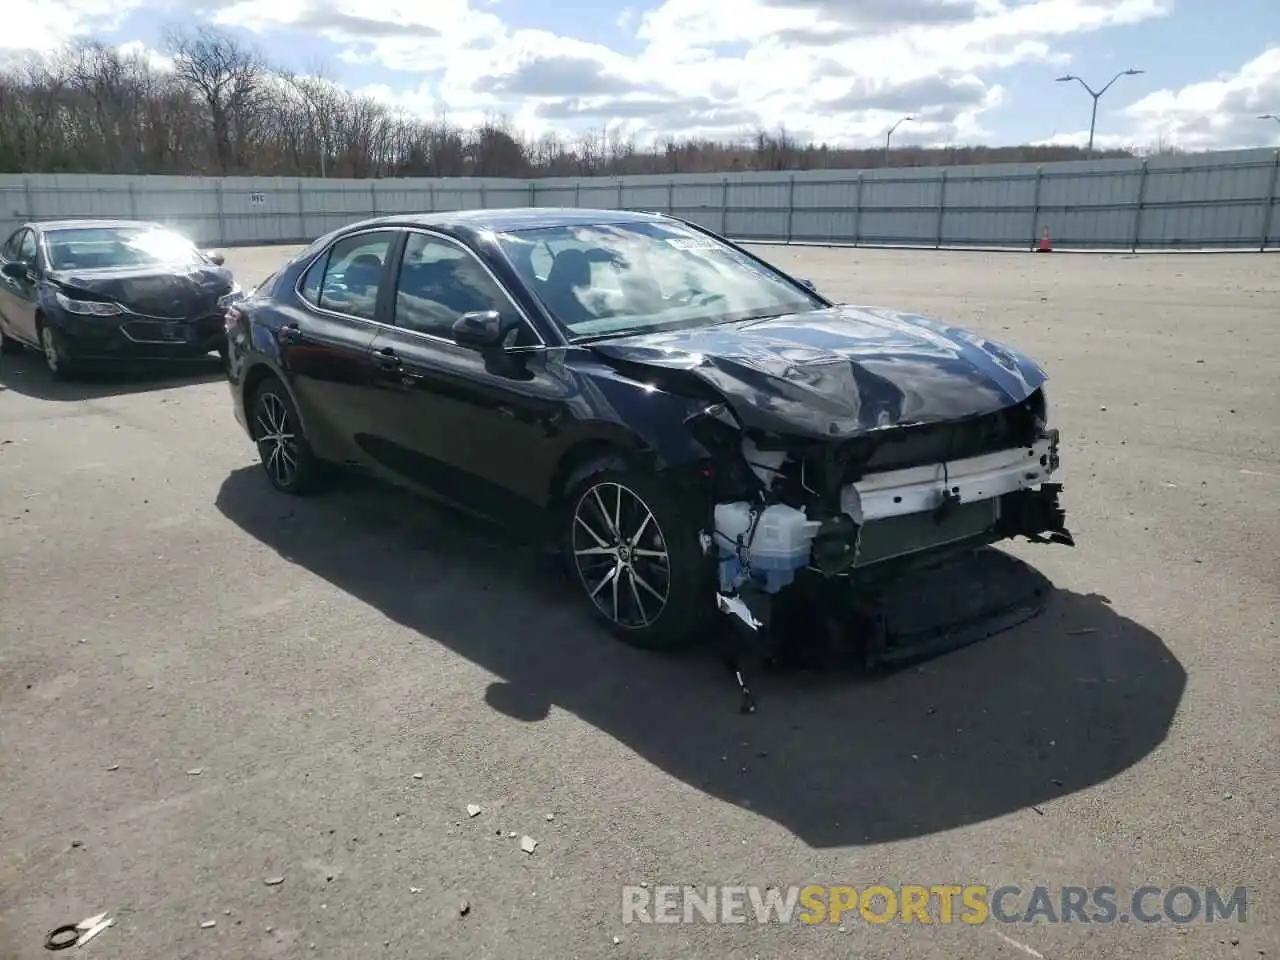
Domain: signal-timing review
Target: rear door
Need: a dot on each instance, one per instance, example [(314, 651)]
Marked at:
[(326, 339), (476, 430)]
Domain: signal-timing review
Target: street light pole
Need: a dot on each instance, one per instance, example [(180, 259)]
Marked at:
[(888, 136), (1096, 95)]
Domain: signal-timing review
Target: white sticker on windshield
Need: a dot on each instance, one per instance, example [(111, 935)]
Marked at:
[(693, 243)]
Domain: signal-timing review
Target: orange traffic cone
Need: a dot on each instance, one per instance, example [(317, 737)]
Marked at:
[(1045, 246)]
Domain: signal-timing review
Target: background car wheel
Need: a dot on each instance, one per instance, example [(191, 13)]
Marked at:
[(635, 552), (282, 446), (8, 345), (53, 347)]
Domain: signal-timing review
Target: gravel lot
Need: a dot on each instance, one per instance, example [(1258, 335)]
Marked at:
[(163, 612)]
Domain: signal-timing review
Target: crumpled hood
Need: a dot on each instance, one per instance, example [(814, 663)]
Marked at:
[(842, 371), (178, 292)]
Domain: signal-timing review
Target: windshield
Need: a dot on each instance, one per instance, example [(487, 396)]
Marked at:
[(620, 278), (90, 248)]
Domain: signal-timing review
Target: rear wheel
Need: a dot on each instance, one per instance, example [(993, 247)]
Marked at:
[(282, 445), (635, 552)]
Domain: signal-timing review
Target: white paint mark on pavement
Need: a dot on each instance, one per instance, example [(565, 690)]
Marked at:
[(1020, 946)]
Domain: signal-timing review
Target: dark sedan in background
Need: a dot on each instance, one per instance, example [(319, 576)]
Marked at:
[(697, 429), (83, 291)]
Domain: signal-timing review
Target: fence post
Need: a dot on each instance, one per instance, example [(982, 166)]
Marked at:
[(791, 205), (302, 211), (484, 196), (133, 201), (221, 204), (942, 208), (724, 207), (619, 204), (671, 198), (1035, 207), (577, 195), (28, 198), (533, 193), (1268, 215), (1137, 214), (857, 212), (431, 196), (373, 197)]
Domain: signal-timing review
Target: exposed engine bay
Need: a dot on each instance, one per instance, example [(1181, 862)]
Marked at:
[(791, 512)]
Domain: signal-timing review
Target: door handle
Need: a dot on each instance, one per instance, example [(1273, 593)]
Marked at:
[(386, 359), (290, 333)]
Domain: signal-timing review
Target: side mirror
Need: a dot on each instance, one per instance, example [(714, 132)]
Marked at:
[(15, 270), (807, 284), (479, 330), (215, 257)]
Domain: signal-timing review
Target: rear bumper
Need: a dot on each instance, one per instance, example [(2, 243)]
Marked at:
[(237, 407), (131, 338)]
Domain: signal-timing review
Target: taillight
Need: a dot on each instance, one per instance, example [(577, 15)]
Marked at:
[(231, 319)]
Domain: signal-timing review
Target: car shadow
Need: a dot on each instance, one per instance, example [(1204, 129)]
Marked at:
[(1056, 705), (26, 374)]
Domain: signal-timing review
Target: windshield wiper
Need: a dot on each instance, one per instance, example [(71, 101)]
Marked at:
[(595, 337), (747, 321)]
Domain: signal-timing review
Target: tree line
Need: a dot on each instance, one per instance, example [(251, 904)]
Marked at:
[(224, 109)]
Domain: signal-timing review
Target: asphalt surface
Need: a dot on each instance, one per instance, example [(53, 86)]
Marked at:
[(163, 612)]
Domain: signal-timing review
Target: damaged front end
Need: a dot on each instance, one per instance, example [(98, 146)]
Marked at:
[(796, 515)]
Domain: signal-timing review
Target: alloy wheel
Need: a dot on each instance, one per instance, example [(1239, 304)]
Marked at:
[(277, 440), (621, 555)]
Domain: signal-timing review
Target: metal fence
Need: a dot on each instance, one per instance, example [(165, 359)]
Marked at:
[(1216, 200)]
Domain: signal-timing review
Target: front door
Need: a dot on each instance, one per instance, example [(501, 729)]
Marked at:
[(473, 428), (324, 343), (18, 294)]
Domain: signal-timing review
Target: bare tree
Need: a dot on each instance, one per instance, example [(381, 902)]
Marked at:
[(93, 109), (232, 81)]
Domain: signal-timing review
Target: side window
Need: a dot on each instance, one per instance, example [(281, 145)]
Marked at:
[(353, 274), (10, 249), (310, 288), (27, 248), (439, 282)]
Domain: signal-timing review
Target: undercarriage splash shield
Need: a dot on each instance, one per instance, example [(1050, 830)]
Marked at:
[(961, 600)]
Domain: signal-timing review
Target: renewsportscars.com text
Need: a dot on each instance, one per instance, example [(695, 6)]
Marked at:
[(971, 904)]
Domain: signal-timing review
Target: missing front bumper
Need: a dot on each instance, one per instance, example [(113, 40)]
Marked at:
[(1036, 513)]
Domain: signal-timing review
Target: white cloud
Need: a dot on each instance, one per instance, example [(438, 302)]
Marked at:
[(838, 70), (41, 26), (161, 62), (1218, 114)]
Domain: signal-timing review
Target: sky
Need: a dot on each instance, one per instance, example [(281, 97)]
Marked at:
[(838, 71)]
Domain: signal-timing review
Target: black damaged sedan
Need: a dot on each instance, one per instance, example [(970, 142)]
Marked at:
[(696, 430), (85, 291)]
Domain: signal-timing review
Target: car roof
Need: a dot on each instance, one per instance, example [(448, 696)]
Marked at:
[(515, 218)]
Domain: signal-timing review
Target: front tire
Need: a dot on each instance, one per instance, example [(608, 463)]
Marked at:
[(634, 550), (54, 350), (282, 445)]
